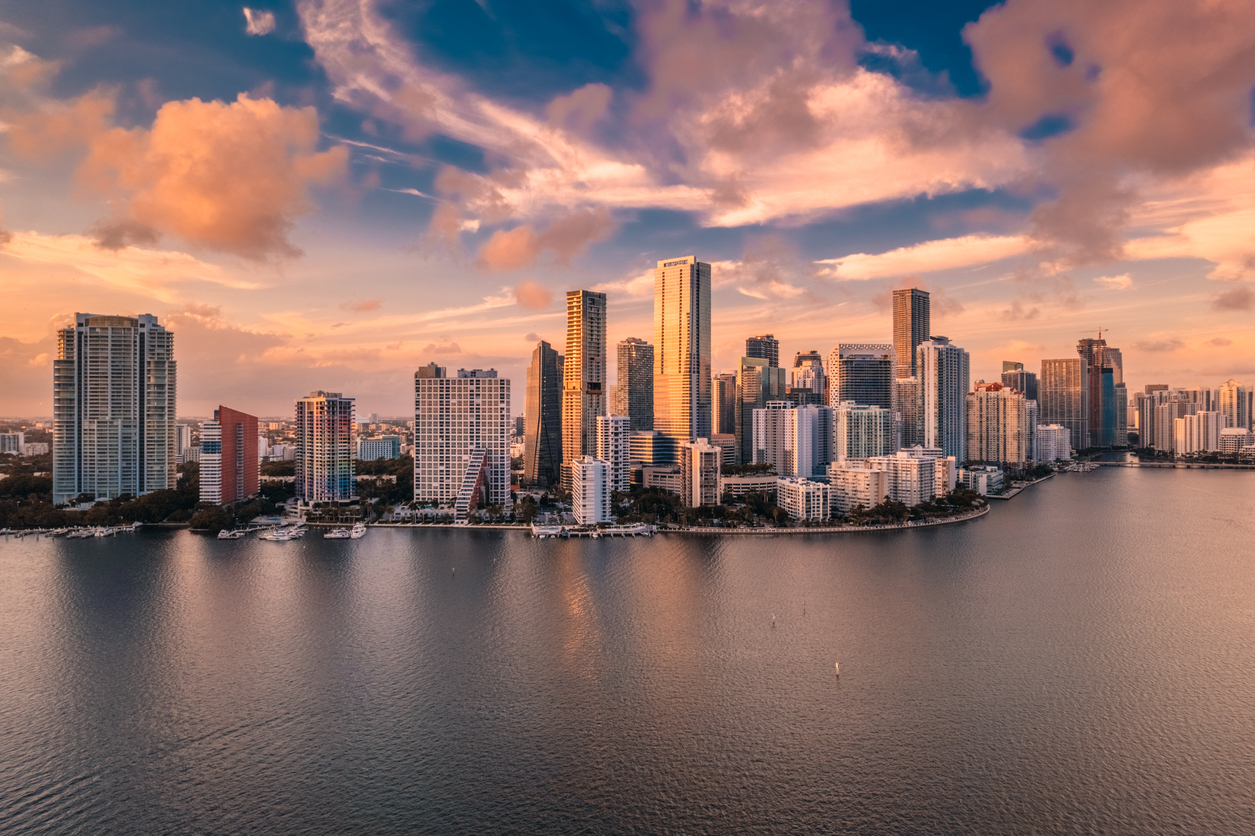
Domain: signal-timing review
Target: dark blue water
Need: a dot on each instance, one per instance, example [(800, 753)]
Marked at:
[(1078, 661)]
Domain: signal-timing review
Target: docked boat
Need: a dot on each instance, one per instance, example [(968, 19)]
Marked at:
[(359, 531), (338, 534), (278, 535), (236, 534)]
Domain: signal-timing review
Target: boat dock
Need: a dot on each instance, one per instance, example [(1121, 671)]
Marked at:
[(548, 532)]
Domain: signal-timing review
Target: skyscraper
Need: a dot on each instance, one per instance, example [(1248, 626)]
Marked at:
[(723, 404), (613, 448), (1104, 370), (1063, 397), (910, 328), (229, 458), (757, 383), (860, 432), (764, 347), (113, 407), (862, 373), (324, 448), (944, 376), (542, 418), (808, 376), (584, 374), (1018, 379), (682, 348), (461, 438), (634, 393)]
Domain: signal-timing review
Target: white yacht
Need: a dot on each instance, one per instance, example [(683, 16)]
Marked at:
[(337, 534), (236, 534), (359, 531), (279, 535)]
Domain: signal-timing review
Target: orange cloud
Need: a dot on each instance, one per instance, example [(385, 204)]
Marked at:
[(565, 238), (231, 177), (531, 295), (362, 306), (46, 133)]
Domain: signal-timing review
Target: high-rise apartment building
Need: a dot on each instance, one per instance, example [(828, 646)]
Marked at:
[(862, 373), (1001, 428), (944, 377), (860, 432), (584, 374), (590, 491), (1198, 433), (1053, 443), (1234, 404), (911, 475), (324, 448), (1063, 397), (634, 393), (763, 347), (757, 383), (700, 464), (229, 460), (808, 376), (682, 348), (797, 440), (12, 443), (910, 328), (906, 396), (461, 438), (723, 404), (113, 408), (1105, 395), (542, 418), (613, 448)]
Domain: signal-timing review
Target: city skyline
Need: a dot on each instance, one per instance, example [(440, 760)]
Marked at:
[(380, 237)]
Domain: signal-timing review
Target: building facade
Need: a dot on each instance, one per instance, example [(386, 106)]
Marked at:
[(699, 473), (542, 418), (461, 436), (584, 374), (1233, 402), (613, 448), (114, 405), (590, 491), (763, 347), (1000, 426), (229, 460), (634, 393), (1063, 398), (862, 373), (911, 315), (1053, 442), (723, 398), (324, 448), (757, 383), (860, 432), (379, 447), (853, 486), (682, 348), (944, 378), (803, 500), (911, 478)]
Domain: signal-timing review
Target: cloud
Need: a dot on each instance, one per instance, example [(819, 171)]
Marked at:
[(565, 237), (769, 269), (228, 177), (258, 22), (1018, 311), (532, 296), (23, 71), (1219, 342), (1121, 282), (363, 306), (46, 132), (580, 109), (1238, 299), (1172, 344), (532, 337), (1127, 110), (445, 347), (930, 256), (116, 235), (153, 272)]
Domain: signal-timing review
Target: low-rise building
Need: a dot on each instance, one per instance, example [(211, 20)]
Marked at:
[(984, 479), (381, 447), (35, 448), (912, 476), (12, 442), (803, 499), (1232, 440), (663, 477), (739, 486), (856, 485), (1054, 442)]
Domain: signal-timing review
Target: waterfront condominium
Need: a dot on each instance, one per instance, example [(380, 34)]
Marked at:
[(944, 376), (324, 448), (461, 438), (682, 349), (910, 328), (1063, 398), (862, 373), (590, 491), (113, 406), (613, 448), (700, 465), (542, 418), (634, 393), (1234, 404), (1001, 425), (583, 375), (229, 457), (860, 432)]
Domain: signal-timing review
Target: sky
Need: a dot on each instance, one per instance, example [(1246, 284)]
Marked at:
[(328, 194)]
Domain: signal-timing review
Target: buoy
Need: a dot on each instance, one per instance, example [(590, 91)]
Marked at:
[(837, 667)]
